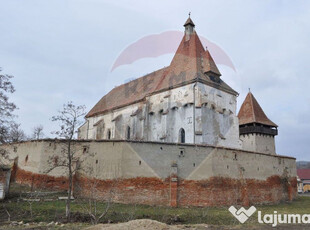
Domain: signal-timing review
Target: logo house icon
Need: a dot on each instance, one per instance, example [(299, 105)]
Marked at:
[(242, 214)]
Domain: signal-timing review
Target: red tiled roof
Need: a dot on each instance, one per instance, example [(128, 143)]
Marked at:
[(303, 174), (251, 112), (189, 64)]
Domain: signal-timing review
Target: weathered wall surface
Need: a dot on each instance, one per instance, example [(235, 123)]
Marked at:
[(216, 120), (161, 173), (258, 143), (207, 115)]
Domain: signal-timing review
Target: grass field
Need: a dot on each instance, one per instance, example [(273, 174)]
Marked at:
[(54, 210)]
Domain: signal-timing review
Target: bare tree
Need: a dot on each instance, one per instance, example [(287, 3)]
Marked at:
[(69, 119), (94, 205), (6, 107), (16, 133), (37, 132)]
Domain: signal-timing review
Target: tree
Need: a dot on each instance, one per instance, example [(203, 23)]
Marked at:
[(16, 133), (69, 119), (37, 132), (6, 107)]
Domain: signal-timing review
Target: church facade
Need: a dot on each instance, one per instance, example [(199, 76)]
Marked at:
[(186, 102)]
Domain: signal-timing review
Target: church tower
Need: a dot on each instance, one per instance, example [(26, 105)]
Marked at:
[(189, 28), (256, 130)]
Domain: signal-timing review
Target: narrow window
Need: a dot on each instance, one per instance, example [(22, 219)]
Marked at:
[(182, 135), (109, 134), (128, 133)]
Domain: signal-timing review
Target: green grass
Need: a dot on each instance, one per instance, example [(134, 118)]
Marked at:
[(47, 211)]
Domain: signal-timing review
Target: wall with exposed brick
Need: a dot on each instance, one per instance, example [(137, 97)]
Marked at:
[(161, 173)]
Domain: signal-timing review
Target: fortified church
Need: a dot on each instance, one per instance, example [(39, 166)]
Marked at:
[(186, 102), (173, 138)]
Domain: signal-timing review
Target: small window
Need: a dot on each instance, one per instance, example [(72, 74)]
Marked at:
[(182, 152), (96, 161), (128, 133), (109, 134), (194, 164), (182, 135), (26, 158), (139, 162)]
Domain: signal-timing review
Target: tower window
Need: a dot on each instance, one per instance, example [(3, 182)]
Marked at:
[(128, 133), (182, 135), (109, 134)]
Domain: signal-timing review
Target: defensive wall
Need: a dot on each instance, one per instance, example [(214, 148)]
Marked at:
[(157, 173)]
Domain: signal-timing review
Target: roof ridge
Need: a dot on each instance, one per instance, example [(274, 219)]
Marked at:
[(252, 105)]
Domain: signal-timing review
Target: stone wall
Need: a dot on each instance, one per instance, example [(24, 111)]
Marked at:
[(258, 143), (161, 173), (207, 114)]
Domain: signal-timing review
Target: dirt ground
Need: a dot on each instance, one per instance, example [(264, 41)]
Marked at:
[(155, 225)]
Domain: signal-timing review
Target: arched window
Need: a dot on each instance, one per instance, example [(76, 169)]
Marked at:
[(109, 134), (182, 135), (128, 133)]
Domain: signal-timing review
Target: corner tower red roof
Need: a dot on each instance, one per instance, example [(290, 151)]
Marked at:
[(251, 112)]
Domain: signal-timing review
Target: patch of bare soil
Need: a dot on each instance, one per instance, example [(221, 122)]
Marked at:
[(155, 225)]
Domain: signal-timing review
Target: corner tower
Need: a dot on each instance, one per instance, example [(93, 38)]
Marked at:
[(256, 130)]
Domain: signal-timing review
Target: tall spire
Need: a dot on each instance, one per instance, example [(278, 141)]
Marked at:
[(189, 21), (189, 27)]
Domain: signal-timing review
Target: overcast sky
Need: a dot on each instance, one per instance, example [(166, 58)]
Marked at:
[(63, 50)]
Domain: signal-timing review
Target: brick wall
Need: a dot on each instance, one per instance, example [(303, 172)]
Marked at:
[(216, 191)]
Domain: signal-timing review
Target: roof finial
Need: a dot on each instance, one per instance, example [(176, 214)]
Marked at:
[(189, 14), (249, 90)]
